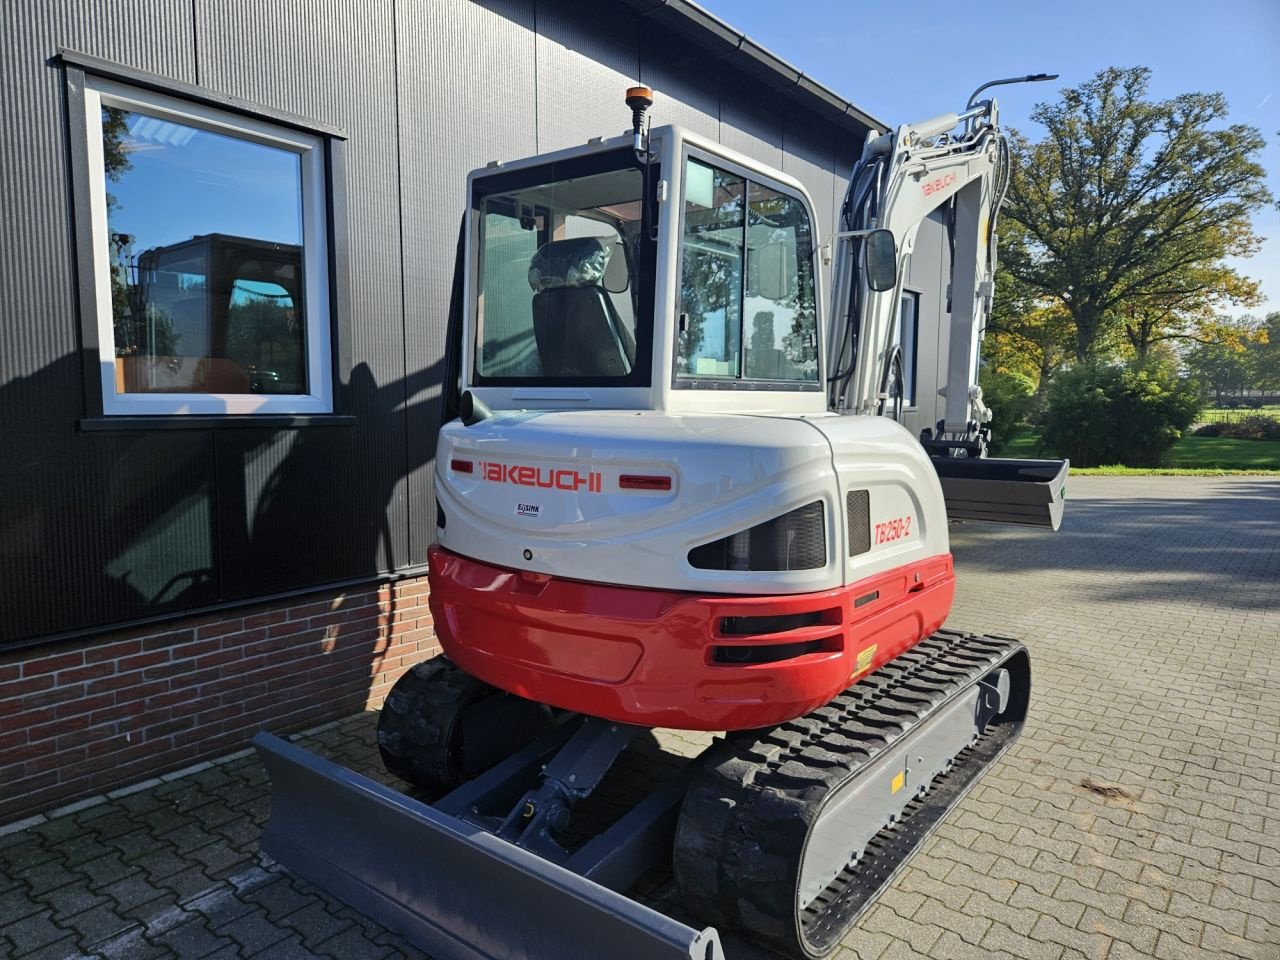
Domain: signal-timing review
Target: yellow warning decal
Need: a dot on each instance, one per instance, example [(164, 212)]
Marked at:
[(865, 657), (898, 780)]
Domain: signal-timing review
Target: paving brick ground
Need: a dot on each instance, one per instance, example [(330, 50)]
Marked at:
[(1138, 816)]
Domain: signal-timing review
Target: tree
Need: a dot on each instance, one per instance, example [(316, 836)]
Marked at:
[(1218, 367), (1131, 202), (1264, 355)]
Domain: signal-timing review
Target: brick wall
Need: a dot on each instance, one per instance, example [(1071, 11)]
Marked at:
[(86, 716)]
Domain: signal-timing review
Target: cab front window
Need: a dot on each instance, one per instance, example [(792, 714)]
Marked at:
[(563, 274)]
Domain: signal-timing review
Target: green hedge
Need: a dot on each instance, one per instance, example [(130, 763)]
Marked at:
[(1011, 397), (1100, 414)]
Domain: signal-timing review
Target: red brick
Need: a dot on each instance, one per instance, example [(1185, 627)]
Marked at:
[(12, 739), (244, 636), (171, 669), (36, 666), (56, 760), (46, 698), (266, 618), (217, 659), (308, 610), (88, 672), (138, 661), (220, 629), (16, 688), (123, 711), (17, 756), (84, 705), (112, 651), (54, 728), (10, 671), (118, 681), (167, 728), (149, 689), (78, 738), (160, 641), (198, 648)]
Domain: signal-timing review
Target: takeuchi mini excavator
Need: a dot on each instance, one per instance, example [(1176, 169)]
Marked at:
[(673, 490)]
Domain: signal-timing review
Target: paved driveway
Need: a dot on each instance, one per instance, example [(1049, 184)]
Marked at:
[(1139, 815)]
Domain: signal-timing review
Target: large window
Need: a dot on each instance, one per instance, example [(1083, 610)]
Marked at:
[(210, 258), (747, 309), (561, 288)]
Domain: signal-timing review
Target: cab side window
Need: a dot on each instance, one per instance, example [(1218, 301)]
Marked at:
[(747, 304)]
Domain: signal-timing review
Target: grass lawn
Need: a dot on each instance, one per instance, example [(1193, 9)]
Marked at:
[(1209, 456)]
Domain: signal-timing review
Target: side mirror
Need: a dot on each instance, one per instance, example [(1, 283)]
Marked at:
[(881, 255), (617, 276)]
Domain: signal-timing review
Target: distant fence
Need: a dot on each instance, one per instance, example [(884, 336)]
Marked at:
[(1236, 414)]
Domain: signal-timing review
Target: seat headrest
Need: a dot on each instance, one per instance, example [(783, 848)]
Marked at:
[(577, 262)]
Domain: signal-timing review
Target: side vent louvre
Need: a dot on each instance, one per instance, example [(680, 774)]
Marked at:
[(857, 507), (793, 541)]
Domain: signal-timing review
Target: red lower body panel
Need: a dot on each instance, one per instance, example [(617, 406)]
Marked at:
[(665, 658)]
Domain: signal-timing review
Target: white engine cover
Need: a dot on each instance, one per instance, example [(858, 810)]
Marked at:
[(539, 491)]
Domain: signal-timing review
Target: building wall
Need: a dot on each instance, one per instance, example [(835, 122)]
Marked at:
[(84, 718), (929, 274), (136, 565)]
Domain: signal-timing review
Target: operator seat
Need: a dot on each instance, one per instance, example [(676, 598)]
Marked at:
[(577, 329)]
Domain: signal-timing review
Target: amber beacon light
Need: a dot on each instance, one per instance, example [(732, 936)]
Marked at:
[(639, 99)]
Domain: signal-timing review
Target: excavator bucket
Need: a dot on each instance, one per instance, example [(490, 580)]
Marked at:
[(1004, 491), (447, 886)]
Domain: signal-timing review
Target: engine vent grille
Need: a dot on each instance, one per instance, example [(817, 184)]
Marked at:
[(793, 541), (857, 507)]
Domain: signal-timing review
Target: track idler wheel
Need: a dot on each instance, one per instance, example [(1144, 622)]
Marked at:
[(439, 726)]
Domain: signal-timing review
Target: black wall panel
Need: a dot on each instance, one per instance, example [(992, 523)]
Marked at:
[(447, 129), (751, 119), (333, 61), (586, 61), (104, 528), (685, 82)]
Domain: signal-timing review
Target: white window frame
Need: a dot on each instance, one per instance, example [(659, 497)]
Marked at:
[(100, 92)]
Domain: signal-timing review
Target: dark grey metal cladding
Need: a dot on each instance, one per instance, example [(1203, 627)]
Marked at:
[(334, 65), (582, 54), (121, 525), (451, 889), (465, 96)]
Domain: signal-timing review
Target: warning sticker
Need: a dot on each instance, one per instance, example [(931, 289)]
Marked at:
[(865, 657)]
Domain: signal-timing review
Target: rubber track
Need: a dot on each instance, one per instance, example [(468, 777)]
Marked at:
[(745, 820), (417, 726)]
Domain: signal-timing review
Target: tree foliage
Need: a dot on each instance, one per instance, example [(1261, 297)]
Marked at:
[(1100, 414), (1124, 213)]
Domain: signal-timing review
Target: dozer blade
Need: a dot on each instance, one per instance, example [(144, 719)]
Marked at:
[(449, 888)]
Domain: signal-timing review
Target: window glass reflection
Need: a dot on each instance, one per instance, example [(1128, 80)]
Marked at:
[(782, 321), (711, 277), (205, 239)]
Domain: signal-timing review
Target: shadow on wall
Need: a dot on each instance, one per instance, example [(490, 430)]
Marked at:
[(1219, 550), (105, 527)]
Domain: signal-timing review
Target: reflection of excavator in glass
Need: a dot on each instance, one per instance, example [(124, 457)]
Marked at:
[(213, 314), (660, 504)]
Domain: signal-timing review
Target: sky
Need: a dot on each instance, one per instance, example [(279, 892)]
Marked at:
[(903, 62)]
